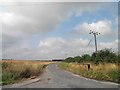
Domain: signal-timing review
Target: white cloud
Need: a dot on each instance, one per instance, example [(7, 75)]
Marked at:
[(49, 48), (59, 46), (73, 47), (52, 43), (113, 45), (21, 22), (56, 47), (11, 19), (103, 26), (9, 22), (59, 43), (77, 43)]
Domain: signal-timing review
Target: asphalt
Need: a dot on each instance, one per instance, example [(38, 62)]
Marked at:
[(54, 77)]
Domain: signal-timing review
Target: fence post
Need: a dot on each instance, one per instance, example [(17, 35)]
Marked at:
[(88, 67)]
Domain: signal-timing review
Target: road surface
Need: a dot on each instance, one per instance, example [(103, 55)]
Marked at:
[(53, 77)]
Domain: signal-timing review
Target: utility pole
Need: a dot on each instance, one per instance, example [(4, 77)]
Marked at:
[(94, 34)]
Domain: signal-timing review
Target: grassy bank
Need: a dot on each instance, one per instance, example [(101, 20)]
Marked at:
[(108, 71), (14, 71)]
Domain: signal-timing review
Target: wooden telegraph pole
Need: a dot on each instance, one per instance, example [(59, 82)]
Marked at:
[(94, 34)]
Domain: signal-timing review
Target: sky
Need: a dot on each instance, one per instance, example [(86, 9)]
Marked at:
[(56, 30)]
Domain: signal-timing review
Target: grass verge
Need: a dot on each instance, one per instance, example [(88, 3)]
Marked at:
[(108, 72)]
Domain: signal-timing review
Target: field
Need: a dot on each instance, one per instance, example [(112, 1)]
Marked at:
[(107, 71), (17, 70)]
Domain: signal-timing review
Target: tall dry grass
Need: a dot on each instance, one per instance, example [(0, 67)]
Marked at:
[(14, 70), (106, 71)]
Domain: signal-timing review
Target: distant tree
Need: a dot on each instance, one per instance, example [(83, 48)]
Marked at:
[(102, 56), (105, 55), (69, 59), (77, 59), (86, 57)]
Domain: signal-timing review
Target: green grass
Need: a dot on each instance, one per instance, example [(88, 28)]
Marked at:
[(0, 74), (115, 75), (10, 78), (99, 73)]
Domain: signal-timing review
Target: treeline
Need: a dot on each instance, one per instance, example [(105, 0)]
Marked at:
[(102, 56)]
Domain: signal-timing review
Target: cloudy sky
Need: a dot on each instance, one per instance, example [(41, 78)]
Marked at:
[(55, 30)]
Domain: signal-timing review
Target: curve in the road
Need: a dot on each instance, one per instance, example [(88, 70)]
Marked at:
[(55, 77), (66, 79)]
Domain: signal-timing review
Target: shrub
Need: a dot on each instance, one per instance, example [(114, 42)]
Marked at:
[(105, 55), (86, 57), (102, 56)]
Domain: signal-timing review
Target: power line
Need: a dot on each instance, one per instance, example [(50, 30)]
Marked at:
[(95, 34), (90, 41)]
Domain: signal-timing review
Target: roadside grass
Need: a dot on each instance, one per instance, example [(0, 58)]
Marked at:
[(14, 70), (107, 71), (0, 74)]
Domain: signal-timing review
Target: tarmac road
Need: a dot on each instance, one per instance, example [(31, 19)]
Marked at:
[(53, 77)]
